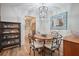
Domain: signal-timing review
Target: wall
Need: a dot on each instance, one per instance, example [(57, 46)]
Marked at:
[(64, 8), (16, 13), (54, 9), (12, 14), (74, 18)]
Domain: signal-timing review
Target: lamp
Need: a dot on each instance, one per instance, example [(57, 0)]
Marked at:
[(43, 12), (43, 16)]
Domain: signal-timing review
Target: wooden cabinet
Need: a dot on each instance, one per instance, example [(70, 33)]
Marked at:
[(71, 46), (10, 34)]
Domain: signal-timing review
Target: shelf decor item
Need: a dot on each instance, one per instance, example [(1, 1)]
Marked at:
[(10, 34), (59, 21)]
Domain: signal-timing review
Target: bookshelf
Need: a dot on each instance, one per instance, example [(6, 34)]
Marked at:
[(10, 35)]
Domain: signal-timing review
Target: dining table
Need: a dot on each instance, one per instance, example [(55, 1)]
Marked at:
[(43, 38)]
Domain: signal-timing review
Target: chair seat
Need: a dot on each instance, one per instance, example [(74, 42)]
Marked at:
[(36, 45), (49, 46)]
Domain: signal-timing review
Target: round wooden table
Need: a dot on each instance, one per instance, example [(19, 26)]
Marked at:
[(43, 38), (38, 36)]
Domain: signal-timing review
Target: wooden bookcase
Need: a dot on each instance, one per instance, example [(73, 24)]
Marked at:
[(10, 35)]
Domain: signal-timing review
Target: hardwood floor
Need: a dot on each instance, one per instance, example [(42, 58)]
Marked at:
[(23, 51)]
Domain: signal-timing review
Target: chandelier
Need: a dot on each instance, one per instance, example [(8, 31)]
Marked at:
[(43, 11)]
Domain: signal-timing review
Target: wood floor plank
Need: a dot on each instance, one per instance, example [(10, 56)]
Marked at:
[(21, 51)]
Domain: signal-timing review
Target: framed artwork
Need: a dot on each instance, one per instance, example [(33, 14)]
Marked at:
[(59, 21)]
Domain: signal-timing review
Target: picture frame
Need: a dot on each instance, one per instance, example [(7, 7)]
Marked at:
[(59, 21)]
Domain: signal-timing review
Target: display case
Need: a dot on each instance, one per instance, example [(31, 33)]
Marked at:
[(10, 35)]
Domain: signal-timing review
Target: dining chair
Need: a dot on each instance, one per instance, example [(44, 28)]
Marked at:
[(35, 45), (55, 43)]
